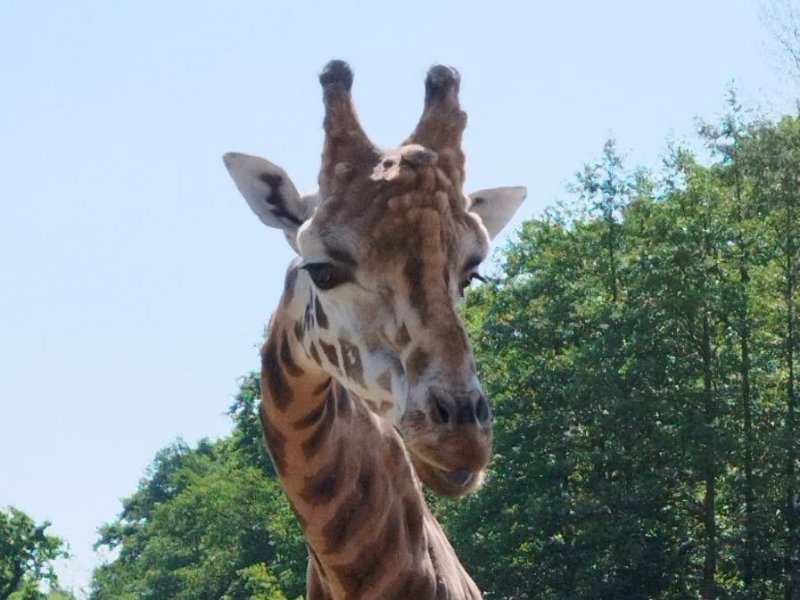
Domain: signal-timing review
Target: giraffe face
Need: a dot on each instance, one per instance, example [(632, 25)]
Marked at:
[(383, 266), (385, 251)]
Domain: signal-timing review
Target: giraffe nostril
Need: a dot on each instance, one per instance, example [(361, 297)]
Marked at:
[(466, 409), (482, 409), (439, 411)]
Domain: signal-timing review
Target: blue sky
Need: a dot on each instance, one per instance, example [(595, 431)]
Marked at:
[(134, 281)]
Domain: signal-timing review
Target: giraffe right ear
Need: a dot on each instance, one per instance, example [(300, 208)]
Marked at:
[(496, 206), (270, 193)]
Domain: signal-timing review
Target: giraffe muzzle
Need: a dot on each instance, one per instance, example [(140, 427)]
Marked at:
[(449, 437)]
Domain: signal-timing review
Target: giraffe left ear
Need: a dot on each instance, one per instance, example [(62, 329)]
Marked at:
[(496, 206), (270, 193)]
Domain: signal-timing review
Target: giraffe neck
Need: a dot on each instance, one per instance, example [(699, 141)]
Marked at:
[(350, 483)]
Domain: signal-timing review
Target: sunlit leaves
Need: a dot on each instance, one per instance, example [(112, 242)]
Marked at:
[(27, 553)]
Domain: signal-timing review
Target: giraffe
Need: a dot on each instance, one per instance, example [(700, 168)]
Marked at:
[(369, 385)]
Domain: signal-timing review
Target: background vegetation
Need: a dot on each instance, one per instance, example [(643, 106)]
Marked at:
[(640, 348), (27, 553)]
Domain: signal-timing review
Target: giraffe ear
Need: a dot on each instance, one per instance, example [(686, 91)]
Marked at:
[(496, 206), (270, 193)]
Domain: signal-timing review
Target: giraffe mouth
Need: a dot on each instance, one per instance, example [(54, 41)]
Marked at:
[(446, 482), (460, 477)]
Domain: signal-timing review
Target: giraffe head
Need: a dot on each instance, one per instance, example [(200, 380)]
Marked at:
[(385, 250)]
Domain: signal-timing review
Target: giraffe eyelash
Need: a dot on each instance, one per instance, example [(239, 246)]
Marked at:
[(327, 276), (469, 279)]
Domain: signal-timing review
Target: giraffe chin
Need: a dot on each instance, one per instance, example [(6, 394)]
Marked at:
[(447, 483)]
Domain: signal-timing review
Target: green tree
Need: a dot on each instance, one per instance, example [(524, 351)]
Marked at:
[(775, 162), (206, 522), (640, 352), (581, 463), (27, 553)]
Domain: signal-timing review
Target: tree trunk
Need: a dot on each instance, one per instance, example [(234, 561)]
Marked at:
[(612, 259), (16, 578)]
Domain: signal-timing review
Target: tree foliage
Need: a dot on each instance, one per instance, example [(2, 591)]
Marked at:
[(206, 522), (27, 553), (641, 353)]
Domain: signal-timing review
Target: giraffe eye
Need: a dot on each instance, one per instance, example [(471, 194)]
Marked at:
[(327, 276)]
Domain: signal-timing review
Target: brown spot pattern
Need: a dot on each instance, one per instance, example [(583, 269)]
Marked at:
[(272, 374), (402, 338), (287, 359), (330, 352), (413, 272), (275, 441), (413, 585), (325, 484), (308, 319), (385, 381), (322, 387), (352, 362), (356, 510), (315, 354), (344, 405), (322, 318), (316, 440), (412, 518), (363, 573), (417, 363), (311, 417)]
